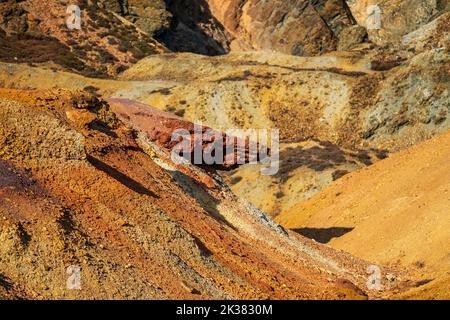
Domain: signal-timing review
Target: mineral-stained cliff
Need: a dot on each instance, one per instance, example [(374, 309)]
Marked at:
[(89, 182), (299, 27), (216, 27)]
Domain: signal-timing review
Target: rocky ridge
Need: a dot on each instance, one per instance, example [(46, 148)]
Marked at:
[(115, 205)]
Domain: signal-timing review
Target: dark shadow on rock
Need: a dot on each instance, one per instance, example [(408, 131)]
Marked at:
[(120, 177), (422, 282), (5, 282), (318, 158), (185, 33), (197, 191), (102, 127), (66, 221), (24, 236), (323, 235), (205, 252)]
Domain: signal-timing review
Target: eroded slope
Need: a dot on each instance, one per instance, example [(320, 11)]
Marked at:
[(78, 187)]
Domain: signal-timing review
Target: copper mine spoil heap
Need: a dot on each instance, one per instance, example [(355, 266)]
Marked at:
[(80, 187)]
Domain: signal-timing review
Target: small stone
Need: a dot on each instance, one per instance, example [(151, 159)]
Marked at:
[(189, 288), (390, 277), (80, 117), (122, 222)]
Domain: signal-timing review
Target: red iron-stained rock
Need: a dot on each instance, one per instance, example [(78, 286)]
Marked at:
[(168, 131)]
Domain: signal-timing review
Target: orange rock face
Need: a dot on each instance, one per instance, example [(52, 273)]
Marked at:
[(294, 27)]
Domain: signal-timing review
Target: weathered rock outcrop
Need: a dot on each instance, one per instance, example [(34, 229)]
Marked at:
[(150, 16), (195, 29), (34, 31), (160, 128), (397, 18), (186, 25), (299, 27)]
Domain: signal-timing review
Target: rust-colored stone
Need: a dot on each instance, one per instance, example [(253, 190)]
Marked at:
[(161, 126)]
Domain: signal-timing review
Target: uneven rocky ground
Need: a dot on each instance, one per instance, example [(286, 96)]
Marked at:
[(298, 27), (86, 181), (304, 169), (79, 187), (35, 32), (348, 109), (398, 17)]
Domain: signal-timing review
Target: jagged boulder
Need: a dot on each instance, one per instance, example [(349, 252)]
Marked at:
[(162, 127)]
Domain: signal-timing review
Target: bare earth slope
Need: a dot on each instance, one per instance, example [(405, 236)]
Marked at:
[(79, 187), (394, 212)]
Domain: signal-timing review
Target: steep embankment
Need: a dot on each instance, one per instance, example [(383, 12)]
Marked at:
[(394, 212), (79, 187), (35, 32)]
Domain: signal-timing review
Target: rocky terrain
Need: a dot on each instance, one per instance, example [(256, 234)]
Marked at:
[(35, 32), (80, 187), (349, 109), (398, 17), (299, 27), (86, 176), (411, 190)]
